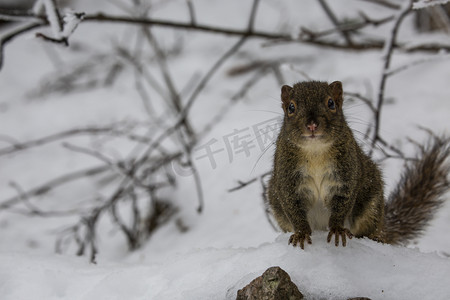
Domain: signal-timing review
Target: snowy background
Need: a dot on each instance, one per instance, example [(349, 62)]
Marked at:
[(213, 254)]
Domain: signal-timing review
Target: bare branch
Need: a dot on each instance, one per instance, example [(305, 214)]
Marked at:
[(101, 17), (250, 83), (62, 28), (251, 21), (274, 37), (11, 15), (242, 184), (393, 71), (391, 147), (34, 210), (335, 21), (53, 183), (387, 55), (346, 28), (119, 168), (366, 100), (211, 72), (174, 95), (143, 71), (54, 19), (53, 16), (5, 38), (54, 137), (191, 10), (225, 56), (384, 3), (131, 234), (62, 40), (266, 200), (198, 183)]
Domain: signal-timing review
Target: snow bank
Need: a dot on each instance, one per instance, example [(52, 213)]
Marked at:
[(363, 268)]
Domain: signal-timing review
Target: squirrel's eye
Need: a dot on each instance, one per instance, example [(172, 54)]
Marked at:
[(291, 108), (331, 104)]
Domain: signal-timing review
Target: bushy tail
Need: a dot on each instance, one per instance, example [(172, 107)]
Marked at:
[(419, 194)]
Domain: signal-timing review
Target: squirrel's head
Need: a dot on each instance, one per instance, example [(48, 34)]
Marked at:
[(312, 111)]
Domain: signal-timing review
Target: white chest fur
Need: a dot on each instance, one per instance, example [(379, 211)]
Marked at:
[(318, 183)]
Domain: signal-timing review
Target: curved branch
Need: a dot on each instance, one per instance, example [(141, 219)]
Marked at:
[(4, 39)]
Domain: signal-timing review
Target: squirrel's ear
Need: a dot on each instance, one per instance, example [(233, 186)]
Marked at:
[(336, 92), (285, 92)]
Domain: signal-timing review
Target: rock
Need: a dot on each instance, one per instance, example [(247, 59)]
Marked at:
[(273, 284)]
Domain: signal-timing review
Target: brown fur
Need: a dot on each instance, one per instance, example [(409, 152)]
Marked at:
[(322, 179), (419, 194)]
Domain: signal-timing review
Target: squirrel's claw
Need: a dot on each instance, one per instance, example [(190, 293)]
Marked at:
[(339, 231), (299, 238)]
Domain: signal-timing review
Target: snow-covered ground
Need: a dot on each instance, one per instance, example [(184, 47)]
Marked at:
[(322, 271), (231, 242)]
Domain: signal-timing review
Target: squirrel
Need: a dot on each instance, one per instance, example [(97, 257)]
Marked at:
[(323, 180)]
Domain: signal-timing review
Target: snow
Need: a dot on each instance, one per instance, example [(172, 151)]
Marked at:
[(53, 18), (231, 242), (38, 7), (322, 271), (60, 28), (71, 21), (427, 3)]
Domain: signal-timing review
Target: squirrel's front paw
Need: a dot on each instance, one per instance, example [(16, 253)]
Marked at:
[(339, 231), (299, 238)]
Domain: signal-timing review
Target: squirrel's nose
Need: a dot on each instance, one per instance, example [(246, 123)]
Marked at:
[(312, 126)]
